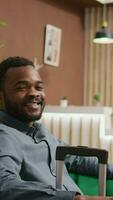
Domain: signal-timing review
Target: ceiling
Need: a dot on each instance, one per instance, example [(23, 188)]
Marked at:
[(84, 3), (105, 1), (88, 3), (72, 4)]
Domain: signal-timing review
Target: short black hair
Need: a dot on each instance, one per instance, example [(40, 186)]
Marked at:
[(12, 62)]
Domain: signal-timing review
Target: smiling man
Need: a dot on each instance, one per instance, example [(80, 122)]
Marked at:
[(27, 149), (22, 92)]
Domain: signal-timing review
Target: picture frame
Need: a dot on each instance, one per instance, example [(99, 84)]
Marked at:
[(52, 45)]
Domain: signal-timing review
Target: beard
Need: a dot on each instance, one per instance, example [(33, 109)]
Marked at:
[(17, 110), (31, 118), (24, 117)]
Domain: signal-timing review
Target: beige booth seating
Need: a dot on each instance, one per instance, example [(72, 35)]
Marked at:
[(79, 126)]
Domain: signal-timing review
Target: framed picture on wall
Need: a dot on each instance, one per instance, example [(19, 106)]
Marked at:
[(52, 45)]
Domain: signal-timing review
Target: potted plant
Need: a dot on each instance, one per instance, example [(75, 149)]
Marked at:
[(2, 25), (112, 120), (97, 99), (63, 101)]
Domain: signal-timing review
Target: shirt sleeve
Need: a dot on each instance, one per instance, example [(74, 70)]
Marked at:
[(86, 166), (12, 186)]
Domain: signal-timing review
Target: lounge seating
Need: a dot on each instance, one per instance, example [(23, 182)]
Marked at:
[(89, 185)]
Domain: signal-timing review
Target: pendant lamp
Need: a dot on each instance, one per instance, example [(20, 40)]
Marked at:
[(103, 36)]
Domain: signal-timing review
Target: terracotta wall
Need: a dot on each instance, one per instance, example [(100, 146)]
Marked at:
[(24, 36)]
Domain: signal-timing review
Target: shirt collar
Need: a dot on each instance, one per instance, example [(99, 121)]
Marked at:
[(7, 119)]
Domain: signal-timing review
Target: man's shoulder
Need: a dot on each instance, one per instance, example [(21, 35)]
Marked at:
[(41, 127), (7, 131), (46, 133), (4, 128)]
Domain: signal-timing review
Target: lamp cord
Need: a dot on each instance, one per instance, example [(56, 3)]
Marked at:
[(104, 15)]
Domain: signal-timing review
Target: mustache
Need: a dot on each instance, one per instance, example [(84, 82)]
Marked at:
[(33, 99)]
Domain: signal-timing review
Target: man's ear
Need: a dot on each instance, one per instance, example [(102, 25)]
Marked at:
[(1, 99)]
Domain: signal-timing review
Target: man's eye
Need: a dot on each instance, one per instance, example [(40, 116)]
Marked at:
[(21, 87), (40, 88)]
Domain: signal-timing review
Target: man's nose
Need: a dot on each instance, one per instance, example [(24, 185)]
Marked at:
[(33, 92)]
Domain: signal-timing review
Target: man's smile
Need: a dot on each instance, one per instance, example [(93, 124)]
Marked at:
[(33, 105)]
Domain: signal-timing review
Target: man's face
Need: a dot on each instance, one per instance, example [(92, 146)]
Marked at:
[(23, 94)]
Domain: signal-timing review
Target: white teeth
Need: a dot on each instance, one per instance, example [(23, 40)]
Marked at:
[(33, 105), (34, 102)]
